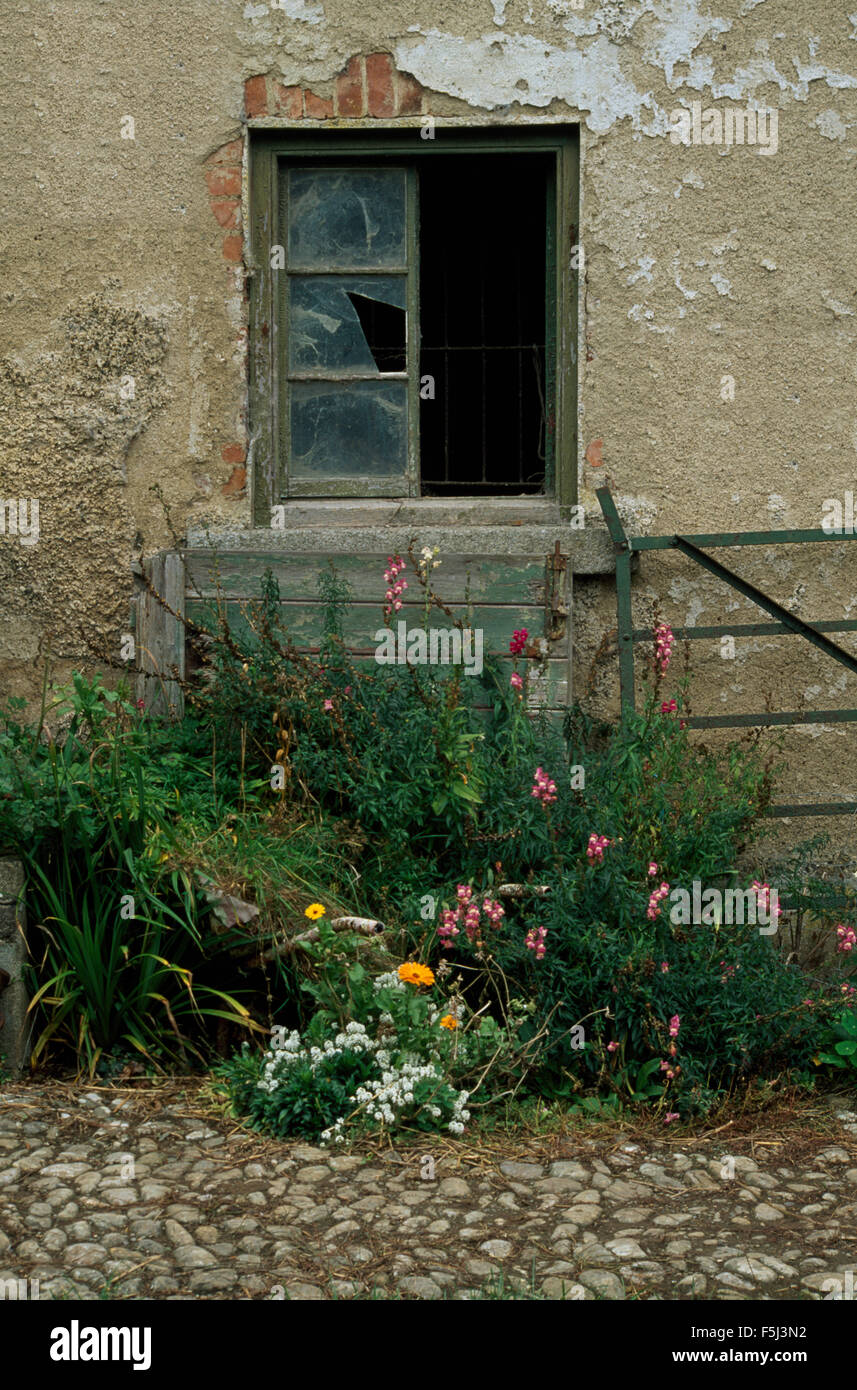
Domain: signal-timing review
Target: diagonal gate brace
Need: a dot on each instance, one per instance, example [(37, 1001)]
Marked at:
[(770, 605)]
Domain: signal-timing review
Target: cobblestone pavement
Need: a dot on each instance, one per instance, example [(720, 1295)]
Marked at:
[(112, 1195)]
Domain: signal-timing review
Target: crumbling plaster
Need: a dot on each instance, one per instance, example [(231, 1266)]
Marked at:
[(702, 264)]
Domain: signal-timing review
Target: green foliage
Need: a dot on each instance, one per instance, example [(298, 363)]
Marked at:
[(381, 1052), (837, 1045), (123, 956), (393, 786)]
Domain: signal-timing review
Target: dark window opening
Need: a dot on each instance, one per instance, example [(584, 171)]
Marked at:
[(483, 225), (384, 328)]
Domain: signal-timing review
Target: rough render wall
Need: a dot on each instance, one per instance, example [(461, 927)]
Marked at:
[(122, 257)]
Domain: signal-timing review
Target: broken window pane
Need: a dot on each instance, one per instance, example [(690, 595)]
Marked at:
[(347, 218), (349, 429), (342, 323)]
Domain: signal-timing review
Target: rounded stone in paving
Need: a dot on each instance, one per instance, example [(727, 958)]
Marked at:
[(86, 1254), (556, 1288), (499, 1249), (778, 1266), (194, 1257), (693, 1284), (595, 1255), (451, 1187), (569, 1168), (524, 1170), (751, 1268), (177, 1233), (603, 1283), (626, 1249), (765, 1213), (210, 1281), (420, 1287), (582, 1215), (121, 1196)]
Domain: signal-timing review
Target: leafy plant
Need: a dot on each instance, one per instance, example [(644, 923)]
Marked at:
[(839, 1043)]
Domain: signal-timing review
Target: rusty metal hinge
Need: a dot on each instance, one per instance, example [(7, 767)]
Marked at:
[(556, 608)]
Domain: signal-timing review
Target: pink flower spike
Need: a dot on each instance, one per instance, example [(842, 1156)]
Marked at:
[(328, 704)]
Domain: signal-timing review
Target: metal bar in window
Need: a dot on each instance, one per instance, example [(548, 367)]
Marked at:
[(445, 369), (484, 377), (520, 367), (412, 330), (358, 270), (347, 376)]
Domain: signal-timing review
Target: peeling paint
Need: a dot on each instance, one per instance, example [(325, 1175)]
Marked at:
[(645, 271)]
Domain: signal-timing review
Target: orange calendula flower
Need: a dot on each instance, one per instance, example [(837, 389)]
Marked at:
[(448, 1021), (414, 974), (314, 911)]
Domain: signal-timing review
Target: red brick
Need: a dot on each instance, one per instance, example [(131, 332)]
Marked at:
[(349, 90), (288, 101), (233, 247), (233, 453), (226, 210), (379, 84), (256, 97), (409, 95), (224, 180), (236, 483), (233, 153), (595, 453), (317, 108)]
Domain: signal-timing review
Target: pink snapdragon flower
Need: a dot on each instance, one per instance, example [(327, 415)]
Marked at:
[(655, 900), (516, 681), (664, 643), (395, 585), (448, 929), (612, 1046), (673, 1115), (518, 642), (535, 941), (596, 847), (494, 911), (847, 938), (544, 790), (653, 869), (669, 707), (328, 704), (675, 1024), (466, 914), (763, 897)]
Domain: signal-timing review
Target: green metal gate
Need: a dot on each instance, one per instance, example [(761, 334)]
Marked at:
[(625, 547)]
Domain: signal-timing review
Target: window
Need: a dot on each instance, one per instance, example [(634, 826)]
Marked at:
[(412, 318)]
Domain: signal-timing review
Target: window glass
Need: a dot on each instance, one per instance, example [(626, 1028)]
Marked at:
[(347, 218)]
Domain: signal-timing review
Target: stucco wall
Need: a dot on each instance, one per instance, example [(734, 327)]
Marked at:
[(709, 272)]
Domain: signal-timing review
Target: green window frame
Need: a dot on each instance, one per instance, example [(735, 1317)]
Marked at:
[(283, 387)]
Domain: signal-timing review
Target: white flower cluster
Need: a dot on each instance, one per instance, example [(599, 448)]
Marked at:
[(393, 1091), (384, 1098), (390, 981), (290, 1050)]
